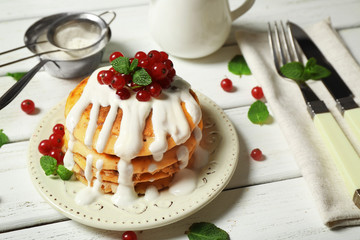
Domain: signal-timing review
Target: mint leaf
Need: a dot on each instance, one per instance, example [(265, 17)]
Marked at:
[(141, 77), (48, 164), (3, 138), (206, 231), (293, 70), (64, 173), (121, 65), (16, 75), (134, 64), (315, 71), (238, 66), (258, 112), (299, 73)]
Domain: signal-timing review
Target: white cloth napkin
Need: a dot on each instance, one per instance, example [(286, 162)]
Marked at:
[(286, 103)]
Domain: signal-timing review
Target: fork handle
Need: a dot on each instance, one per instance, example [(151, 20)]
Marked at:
[(346, 158), (352, 118)]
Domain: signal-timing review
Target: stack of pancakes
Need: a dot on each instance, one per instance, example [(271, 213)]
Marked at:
[(146, 170)]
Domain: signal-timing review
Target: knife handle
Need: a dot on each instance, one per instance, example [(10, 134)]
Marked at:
[(352, 118), (346, 158)]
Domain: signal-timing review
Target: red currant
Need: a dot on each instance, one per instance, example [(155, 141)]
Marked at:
[(129, 235), (158, 71), (140, 55), (118, 81), (226, 84), (57, 154), (256, 154), (107, 77), (155, 89), (164, 56), (112, 70), (28, 106), (165, 83), (123, 93), (115, 55), (144, 63), (100, 77), (171, 73), (45, 147), (153, 56), (143, 96), (257, 93), (169, 64), (59, 129), (56, 140)]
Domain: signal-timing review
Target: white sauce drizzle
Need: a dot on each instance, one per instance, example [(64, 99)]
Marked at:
[(151, 193), (168, 118), (89, 194), (183, 183), (152, 167), (182, 155)]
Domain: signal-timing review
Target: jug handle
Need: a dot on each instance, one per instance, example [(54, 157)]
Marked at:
[(242, 9)]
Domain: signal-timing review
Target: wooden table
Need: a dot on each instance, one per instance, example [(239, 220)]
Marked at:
[(264, 200)]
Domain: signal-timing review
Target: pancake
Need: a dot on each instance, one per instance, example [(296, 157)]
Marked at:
[(148, 132), (128, 144)]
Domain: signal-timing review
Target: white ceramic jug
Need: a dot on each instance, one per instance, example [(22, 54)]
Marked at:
[(192, 28)]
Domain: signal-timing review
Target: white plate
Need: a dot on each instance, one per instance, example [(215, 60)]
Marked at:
[(167, 208)]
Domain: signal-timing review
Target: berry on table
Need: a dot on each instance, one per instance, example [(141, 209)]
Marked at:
[(28, 106), (129, 235), (115, 55), (257, 92), (256, 154), (226, 84)]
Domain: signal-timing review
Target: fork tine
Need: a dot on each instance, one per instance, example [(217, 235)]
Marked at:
[(279, 44), (294, 47), (274, 50)]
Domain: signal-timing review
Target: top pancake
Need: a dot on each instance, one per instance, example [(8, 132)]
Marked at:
[(148, 132)]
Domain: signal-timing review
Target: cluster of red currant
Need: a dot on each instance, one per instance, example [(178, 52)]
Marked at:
[(52, 146), (158, 66)]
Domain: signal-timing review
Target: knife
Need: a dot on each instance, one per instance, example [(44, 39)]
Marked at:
[(348, 163), (334, 83)]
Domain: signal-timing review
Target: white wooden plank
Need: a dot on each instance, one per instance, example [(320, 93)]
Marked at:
[(28, 9), (20, 204), (281, 210)]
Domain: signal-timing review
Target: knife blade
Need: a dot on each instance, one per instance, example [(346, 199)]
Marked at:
[(334, 83), (345, 103)]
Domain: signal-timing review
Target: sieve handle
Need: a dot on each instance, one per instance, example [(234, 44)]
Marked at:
[(109, 12), (19, 85)]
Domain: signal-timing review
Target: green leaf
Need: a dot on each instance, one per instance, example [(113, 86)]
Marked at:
[(121, 65), (134, 64), (206, 231), (299, 73), (258, 112), (48, 164), (16, 75), (3, 138), (141, 77), (64, 173), (238, 66), (293, 70), (310, 63)]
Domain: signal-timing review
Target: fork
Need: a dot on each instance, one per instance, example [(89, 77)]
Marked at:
[(285, 49)]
